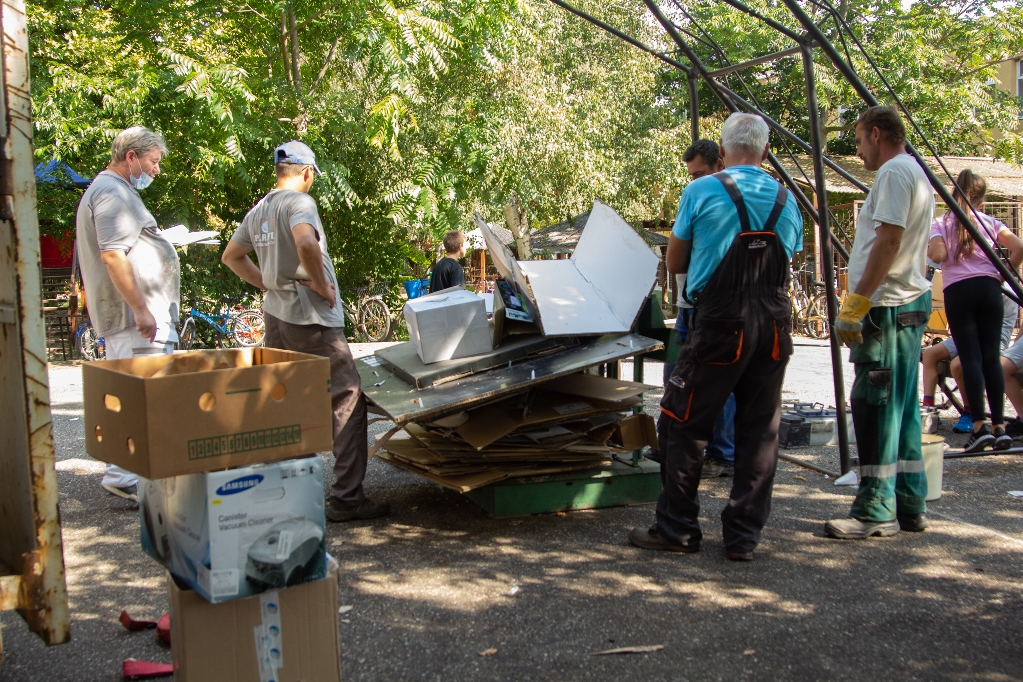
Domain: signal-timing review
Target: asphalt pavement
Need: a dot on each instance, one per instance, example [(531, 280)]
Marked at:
[(438, 582)]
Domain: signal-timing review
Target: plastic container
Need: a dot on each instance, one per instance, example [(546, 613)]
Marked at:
[(414, 288), (933, 450)]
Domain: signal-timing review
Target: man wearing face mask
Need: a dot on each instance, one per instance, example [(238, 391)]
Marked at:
[(131, 273)]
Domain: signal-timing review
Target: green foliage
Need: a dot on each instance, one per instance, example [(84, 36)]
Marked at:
[(422, 111)]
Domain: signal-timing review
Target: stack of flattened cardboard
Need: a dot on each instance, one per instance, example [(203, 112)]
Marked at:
[(570, 423)]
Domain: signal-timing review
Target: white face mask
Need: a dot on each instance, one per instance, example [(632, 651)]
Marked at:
[(143, 180)]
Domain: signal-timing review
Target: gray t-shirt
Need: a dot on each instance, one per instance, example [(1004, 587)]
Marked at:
[(267, 229), (111, 216)]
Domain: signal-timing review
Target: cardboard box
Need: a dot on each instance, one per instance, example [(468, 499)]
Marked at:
[(599, 290), (448, 324), (296, 628), (165, 415), (231, 534), (636, 432)]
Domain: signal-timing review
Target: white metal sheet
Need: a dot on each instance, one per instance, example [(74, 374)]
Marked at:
[(616, 261)]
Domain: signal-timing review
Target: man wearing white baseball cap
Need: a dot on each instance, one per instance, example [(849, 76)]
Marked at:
[(303, 311)]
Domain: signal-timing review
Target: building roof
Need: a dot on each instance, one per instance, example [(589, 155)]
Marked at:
[(1003, 179), (562, 237)]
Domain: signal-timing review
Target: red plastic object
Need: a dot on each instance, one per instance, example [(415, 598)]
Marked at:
[(144, 670), (132, 624), (163, 628)]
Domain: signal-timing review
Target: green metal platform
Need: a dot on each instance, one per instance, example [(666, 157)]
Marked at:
[(615, 486)]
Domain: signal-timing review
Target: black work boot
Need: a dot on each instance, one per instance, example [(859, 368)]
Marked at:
[(339, 512)]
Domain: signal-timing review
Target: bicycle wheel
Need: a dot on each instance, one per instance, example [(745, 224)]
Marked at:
[(375, 320), (248, 328), (186, 337), (88, 346), (817, 326)]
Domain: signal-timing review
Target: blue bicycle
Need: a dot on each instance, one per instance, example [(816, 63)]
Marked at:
[(89, 346), (242, 326)]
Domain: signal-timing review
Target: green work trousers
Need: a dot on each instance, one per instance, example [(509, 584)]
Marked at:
[(886, 413)]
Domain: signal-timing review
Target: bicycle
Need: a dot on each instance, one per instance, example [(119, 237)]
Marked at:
[(809, 309), (87, 344), (371, 318), (245, 326)]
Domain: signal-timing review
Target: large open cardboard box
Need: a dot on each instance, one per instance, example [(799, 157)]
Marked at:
[(218, 642), (251, 405), (599, 290)]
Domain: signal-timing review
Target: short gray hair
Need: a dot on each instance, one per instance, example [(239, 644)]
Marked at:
[(744, 135), (138, 139)]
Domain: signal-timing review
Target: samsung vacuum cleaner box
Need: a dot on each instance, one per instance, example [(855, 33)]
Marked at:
[(165, 415), (278, 636), (235, 533)]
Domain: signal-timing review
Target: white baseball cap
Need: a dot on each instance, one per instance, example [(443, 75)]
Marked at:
[(298, 153)]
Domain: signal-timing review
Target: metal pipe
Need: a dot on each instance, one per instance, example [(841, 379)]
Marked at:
[(804, 201), (983, 453), (795, 139), (755, 62), (621, 35), (694, 105), (780, 28), (1010, 276), (817, 140), (807, 465)]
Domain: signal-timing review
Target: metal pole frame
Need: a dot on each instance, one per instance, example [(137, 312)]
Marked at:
[(816, 139), (729, 98), (1011, 277)]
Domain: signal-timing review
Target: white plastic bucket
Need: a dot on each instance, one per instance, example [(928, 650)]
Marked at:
[(933, 450)]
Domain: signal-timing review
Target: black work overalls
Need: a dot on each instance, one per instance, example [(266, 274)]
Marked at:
[(739, 342)]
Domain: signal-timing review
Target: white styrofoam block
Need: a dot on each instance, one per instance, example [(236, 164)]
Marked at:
[(449, 325)]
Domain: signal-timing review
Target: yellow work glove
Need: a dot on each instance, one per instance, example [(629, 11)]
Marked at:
[(849, 323)]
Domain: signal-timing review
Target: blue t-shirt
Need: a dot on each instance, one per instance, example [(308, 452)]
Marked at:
[(707, 216)]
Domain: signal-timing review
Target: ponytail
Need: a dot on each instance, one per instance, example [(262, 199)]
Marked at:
[(974, 188)]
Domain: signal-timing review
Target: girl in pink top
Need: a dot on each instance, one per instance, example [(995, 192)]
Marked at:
[(973, 305)]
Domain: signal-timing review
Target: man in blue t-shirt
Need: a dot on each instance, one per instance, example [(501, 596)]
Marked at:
[(734, 236), (703, 157)]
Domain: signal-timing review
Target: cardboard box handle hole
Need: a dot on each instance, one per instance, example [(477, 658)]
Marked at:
[(112, 402), (207, 401), (131, 446), (278, 392), (99, 435)]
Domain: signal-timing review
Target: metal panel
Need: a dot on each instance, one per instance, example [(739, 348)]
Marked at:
[(403, 360), (30, 541), (403, 404)]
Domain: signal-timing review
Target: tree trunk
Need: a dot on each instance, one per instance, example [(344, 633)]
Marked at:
[(296, 66), (518, 222)]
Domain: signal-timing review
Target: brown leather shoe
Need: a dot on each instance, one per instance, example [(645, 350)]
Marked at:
[(649, 538)]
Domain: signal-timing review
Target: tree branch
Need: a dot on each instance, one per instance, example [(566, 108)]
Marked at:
[(326, 63), (317, 15), (296, 67)]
